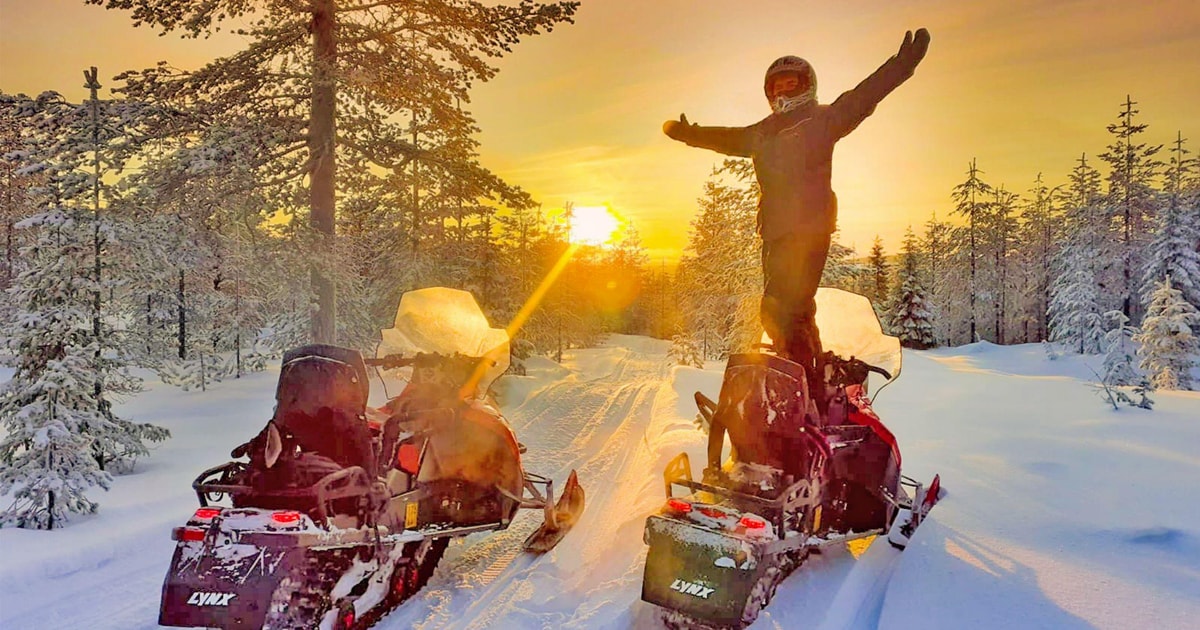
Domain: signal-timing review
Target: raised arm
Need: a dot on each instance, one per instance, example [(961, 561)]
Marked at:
[(852, 107), (736, 141)]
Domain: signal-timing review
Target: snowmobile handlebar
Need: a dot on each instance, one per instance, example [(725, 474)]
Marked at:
[(390, 361), (393, 361)]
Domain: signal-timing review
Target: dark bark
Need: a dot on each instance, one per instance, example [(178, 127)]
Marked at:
[(321, 138)]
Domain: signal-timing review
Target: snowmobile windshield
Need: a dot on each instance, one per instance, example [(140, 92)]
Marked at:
[(446, 321), (850, 328)]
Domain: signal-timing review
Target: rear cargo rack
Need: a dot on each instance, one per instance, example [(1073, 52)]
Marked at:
[(220, 481), (799, 495)]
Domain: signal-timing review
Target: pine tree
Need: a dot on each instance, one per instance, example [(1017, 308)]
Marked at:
[(685, 351), (73, 148), (909, 318), (841, 269), (16, 201), (970, 199), (1075, 311), (937, 249), (1119, 350), (720, 272), (1173, 250), (999, 227), (1168, 345), (1039, 232), (877, 287), (1131, 205), (315, 92), (52, 418)]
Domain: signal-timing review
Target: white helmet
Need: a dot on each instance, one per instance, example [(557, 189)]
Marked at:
[(804, 93)]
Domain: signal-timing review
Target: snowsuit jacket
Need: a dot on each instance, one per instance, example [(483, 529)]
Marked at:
[(793, 152)]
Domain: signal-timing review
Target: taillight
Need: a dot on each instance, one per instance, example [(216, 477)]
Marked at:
[(285, 517), (713, 512), (752, 522), (679, 506), (187, 534), (206, 514)]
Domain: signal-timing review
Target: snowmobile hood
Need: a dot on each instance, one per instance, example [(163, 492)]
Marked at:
[(446, 321)]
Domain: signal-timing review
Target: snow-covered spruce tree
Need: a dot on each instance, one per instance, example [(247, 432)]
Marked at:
[(876, 288), (73, 148), (971, 201), (51, 416), (1131, 206), (937, 251), (685, 350), (721, 271), (16, 198), (1119, 350), (842, 271), (317, 88), (998, 230), (909, 317), (1168, 345), (623, 281), (1118, 365), (1038, 236), (1173, 249), (1075, 311)]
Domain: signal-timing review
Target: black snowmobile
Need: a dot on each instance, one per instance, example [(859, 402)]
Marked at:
[(343, 511), (801, 476)]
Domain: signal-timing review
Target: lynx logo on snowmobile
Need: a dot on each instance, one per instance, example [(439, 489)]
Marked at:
[(691, 588), (199, 598)]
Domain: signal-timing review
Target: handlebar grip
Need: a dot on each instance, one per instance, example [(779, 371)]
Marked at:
[(880, 371)]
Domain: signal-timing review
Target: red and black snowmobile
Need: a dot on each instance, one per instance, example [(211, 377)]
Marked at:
[(343, 511), (801, 476)]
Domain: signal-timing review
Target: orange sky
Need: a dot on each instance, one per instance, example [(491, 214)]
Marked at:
[(1024, 86)]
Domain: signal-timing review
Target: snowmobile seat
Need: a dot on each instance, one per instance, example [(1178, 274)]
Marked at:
[(767, 412), (289, 481), (321, 400)]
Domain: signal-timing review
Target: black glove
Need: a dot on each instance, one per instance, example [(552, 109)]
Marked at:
[(913, 50), (676, 129)]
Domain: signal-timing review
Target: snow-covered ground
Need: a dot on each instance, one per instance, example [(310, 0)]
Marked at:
[(1060, 512)]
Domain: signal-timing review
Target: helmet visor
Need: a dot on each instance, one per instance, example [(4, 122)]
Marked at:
[(787, 84)]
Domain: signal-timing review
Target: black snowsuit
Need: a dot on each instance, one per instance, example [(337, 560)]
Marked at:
[(797, 212)]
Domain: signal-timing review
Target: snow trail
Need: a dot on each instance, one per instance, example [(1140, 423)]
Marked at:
[(1060, 513)]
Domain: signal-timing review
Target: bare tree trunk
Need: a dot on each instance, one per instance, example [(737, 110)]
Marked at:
[(94, 86), (179, 298), (322, 136)]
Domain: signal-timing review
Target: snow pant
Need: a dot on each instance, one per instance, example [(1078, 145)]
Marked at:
[(792, 267)]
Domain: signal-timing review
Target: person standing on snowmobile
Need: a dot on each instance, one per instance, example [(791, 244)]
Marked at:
[(792, 149)]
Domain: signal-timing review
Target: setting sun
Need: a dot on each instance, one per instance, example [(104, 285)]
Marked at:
[(593, 225)]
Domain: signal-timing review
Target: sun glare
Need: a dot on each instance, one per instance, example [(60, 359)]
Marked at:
[(593, 225)]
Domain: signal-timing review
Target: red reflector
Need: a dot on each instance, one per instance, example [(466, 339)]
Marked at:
[(679, 505), (207, 514), (750, 522), (712, 512), (187, 534), (285, 517)]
